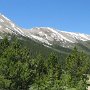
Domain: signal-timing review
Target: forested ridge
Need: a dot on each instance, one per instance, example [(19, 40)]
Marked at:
[(21, 69)]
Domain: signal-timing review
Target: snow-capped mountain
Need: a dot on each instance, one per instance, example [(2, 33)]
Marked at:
[(44, 35), (7, 26), (52, 36)]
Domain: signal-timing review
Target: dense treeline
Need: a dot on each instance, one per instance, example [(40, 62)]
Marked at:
[(18, 71)]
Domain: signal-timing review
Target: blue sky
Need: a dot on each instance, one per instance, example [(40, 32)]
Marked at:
[(67, 15)]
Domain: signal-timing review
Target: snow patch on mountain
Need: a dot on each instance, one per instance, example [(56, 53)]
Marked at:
[(77, 36), (8, 26), (1, 20), (45, 35), (49, 36), (40, 39), (5, 17)]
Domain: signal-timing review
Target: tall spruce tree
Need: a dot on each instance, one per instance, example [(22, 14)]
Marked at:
[(15, 70), (77, 65)]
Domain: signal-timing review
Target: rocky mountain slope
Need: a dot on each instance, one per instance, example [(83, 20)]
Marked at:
[(52, 36), (47, 36), (7, 26)]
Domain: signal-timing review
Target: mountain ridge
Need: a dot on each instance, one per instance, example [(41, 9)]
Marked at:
[(44, 35)]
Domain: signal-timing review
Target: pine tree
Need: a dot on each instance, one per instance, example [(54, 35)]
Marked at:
[(41, 70), (77, 65), (54, 72), (4, 44), (15, 68)]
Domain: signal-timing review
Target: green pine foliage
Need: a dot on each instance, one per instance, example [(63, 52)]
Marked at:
[(21, 69), (15, 67), (77, 65)]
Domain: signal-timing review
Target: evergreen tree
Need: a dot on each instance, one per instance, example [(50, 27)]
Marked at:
[(77, 65), (41, 70), (15, 68), (4, 44), (54, 72)]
